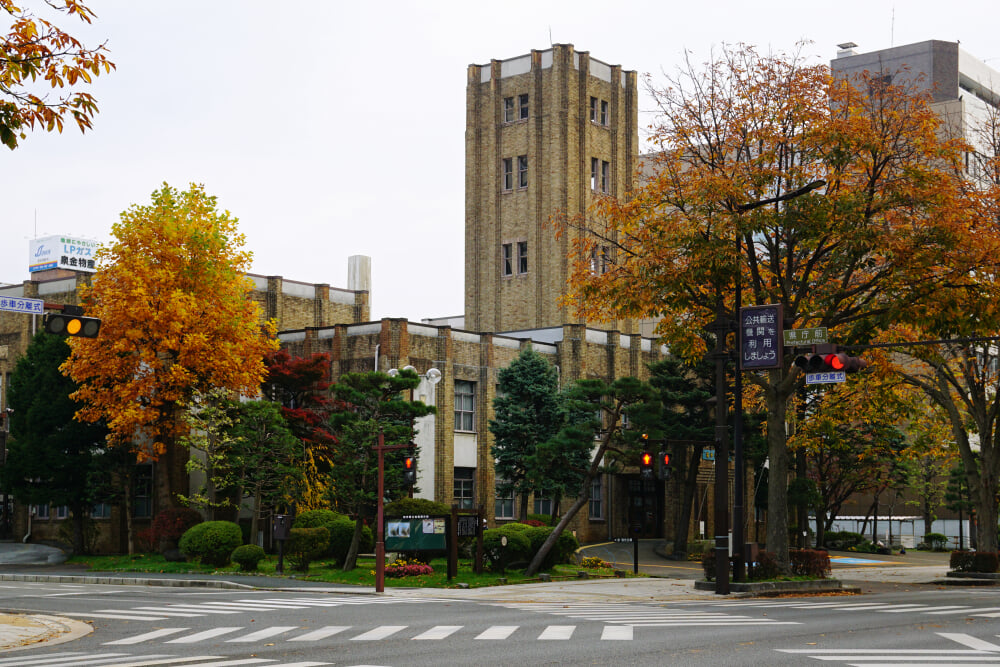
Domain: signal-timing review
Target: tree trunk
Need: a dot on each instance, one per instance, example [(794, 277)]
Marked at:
[(523, 513), (690, 487), (581, 499), (351, 559), (778, 459), (255, 515)]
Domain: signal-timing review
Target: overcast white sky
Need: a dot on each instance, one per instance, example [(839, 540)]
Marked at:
[(337, 128)]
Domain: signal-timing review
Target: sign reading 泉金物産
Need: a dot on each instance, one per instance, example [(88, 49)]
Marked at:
[(61, 252)]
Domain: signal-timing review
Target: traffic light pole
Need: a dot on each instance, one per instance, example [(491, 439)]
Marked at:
[(721, 501)]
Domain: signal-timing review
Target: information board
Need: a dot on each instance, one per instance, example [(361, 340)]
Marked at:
[(415, 533), (760, 337)]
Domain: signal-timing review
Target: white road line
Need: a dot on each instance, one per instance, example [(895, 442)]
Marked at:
[(165, 611), (557, 632), (149, 660), (264, 634), (122, 616), (205, 634), (199, 608), (439, 632), (58, 657), (322, 633), (966, 610), (149, 636), (668, 624), (497, 632), (617, 632), (380, 632), (970, 641)]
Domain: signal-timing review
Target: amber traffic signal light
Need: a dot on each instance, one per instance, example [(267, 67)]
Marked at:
[(409, 470), (71, 325), (646, 465), (663, 461)]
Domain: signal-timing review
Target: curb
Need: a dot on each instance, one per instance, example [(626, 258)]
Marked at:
[(23, 631), (125, 581), (781, 587)]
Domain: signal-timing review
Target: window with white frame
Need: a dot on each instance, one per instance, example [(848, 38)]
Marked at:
[(593, 109), (465, 488), (509, 110), (41, 511), (596, 506), (522, 257), (465, 405), (522, 171), (503, 507), (507, 174), (543, 506), (62, 511)]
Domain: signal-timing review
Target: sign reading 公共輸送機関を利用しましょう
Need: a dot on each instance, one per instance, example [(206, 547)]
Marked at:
[(760, 337)]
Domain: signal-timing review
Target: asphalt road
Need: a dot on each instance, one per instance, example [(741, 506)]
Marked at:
[(139, 625)]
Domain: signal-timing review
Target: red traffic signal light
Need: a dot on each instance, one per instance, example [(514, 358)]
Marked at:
[(71, 325), (646, 464), (663, 466), (827, 358), (410, 470)]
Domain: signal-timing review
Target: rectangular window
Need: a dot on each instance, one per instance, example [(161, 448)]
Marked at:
[(507, 178), (522, 171), (522, 256), (594, 166), (465, 405), (41, 511), (62, 511), (605, 177), (465, 487), (100, 511), (543, 506), (503, 507), (604, 112), (522, 104), (507, 259), (596, 506), (599, 262), (593, 109), (142, 505), (508, 109)]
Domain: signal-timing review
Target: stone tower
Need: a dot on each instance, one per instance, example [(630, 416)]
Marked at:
[(545, 133)]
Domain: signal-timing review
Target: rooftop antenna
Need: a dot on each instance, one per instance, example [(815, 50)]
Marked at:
[(550, 37), (892, 27)]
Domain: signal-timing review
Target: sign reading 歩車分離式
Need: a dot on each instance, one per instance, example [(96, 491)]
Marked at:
[(760, 337), (62, 252)]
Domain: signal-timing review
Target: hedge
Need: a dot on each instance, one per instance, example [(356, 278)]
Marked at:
[(306, 545), (974, 561), (211, 542)]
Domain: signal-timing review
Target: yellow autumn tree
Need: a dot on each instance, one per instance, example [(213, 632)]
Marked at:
[(172, 294), (36, 55), (742, 142)]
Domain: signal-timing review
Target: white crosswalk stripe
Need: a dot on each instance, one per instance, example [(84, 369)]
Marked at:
[(978, 652), (291, 633), (878, 607), (79, 659)]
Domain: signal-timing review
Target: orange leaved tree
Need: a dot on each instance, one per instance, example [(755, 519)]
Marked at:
[(172, 295), (38, 55), (887, 233)]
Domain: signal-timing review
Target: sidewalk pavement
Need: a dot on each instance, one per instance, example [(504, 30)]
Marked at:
[(32, 563)]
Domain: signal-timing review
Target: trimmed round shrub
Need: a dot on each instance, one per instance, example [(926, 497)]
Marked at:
[(306, 545), (416, 507), (499, 557), (320, 519), (936, 541), (247, 556), (341, 534), (211, 542)]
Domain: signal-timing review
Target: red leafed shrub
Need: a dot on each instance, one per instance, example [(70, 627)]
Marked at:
[(974, 561), (402, 568), (533, 522), (170, 524)]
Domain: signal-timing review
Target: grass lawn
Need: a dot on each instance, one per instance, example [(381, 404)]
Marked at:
[(362, 575)]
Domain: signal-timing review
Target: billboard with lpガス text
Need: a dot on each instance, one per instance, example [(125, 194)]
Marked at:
[(62, 252)]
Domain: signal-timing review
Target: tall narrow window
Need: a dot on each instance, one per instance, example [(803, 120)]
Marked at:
[(465, 405), (508, 109), (522, 171), (503, 507), (596, 506), (465, 489), (522, 256), (142, 498), (605, 177), (604, 112), (593, 109), (507, 178), (522, 103), (594, 166), (506, 259)]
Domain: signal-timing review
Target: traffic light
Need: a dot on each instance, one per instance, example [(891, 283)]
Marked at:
[(663, 466), (71, 325), (409, 470), (646, 465), (827, 358)]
